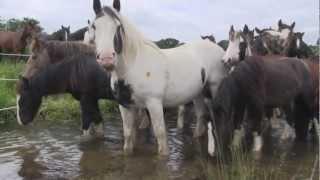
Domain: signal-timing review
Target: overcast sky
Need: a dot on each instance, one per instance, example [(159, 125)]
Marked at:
[(182, 19)]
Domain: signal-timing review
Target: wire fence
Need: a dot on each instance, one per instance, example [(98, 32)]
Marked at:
[(8, 79)]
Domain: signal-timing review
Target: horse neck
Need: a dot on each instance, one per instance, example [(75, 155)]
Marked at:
[(134, 43)]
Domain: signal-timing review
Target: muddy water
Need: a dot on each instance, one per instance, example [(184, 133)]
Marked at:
[(54, 151)]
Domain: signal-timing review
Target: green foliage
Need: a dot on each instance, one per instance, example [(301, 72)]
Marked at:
[(224, 44), (168, 43), (315, 50), (14, 24)]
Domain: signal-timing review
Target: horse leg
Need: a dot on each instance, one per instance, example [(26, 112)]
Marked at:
[(237, 121), (97, 118), (155, 109), (255, 115), (129, 128), (301, 123), (181, 112), (199, 106), (86, 109)]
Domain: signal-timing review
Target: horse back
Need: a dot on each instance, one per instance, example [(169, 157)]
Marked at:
[(7, 39)]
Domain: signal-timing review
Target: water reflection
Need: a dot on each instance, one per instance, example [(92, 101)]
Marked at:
[(55, 152)]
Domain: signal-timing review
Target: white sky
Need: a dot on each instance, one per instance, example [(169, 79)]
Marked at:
[(182, 19)]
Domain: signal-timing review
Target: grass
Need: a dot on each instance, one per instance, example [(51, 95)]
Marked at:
[(62, 107)]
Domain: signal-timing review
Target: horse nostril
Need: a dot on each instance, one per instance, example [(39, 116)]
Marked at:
[(98, 56), (113, 54)]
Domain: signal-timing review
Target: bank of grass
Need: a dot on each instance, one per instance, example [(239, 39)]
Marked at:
[(61, 108)]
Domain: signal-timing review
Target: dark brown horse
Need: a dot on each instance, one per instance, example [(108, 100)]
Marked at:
[(256, 84), (78, 35), (15, 42), (260, 83), (63, 67)]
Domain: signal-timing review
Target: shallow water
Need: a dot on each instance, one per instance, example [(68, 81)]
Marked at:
[(54, 151)]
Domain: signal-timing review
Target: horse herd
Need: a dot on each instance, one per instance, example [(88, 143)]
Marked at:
[(241, 84)]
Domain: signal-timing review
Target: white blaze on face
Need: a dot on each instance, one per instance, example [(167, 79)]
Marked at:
[(298, 43), (18, 109), (211, 143), (66, 35), (257, 142), (105, 30), (284, 34), (232, 52)]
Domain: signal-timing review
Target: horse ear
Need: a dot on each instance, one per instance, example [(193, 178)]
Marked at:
[(231, 33), (280, 22), (258, 30), (245, 29), (293, 25), (97, 6), (116, 5)]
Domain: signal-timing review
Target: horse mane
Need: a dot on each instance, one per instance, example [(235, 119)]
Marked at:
[(132, 37), (63, 49), (75, 70)]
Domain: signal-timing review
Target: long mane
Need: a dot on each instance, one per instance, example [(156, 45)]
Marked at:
[(74, 71), (61, 50), (133, 39)]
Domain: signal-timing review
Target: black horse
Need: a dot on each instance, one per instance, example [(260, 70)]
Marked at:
[(78, 35), (78, 74), (60, 35)]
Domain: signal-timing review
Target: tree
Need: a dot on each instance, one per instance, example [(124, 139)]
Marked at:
[(168, 43), (14, 24)]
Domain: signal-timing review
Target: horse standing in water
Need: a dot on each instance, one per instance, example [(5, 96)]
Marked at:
[(144, 76), (15, 42), (257, 83), (63, 67)]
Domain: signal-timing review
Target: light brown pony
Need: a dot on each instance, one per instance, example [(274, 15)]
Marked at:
[(45, 53), (15, 42)]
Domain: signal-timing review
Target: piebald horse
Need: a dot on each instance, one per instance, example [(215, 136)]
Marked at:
[(144, 76)]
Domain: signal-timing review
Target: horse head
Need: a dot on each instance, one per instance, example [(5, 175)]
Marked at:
[(28, 101), (65, 32), (240, 43), (210, 37), (275, 41), (107, 33)]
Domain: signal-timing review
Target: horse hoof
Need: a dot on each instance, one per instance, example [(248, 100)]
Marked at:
[(237, 138), (128, 151), (257, 143), (164, 151), (86, 138), (99, 131), (199, 131)]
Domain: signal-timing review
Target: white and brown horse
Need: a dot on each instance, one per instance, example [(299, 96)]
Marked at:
[(144, 76)]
